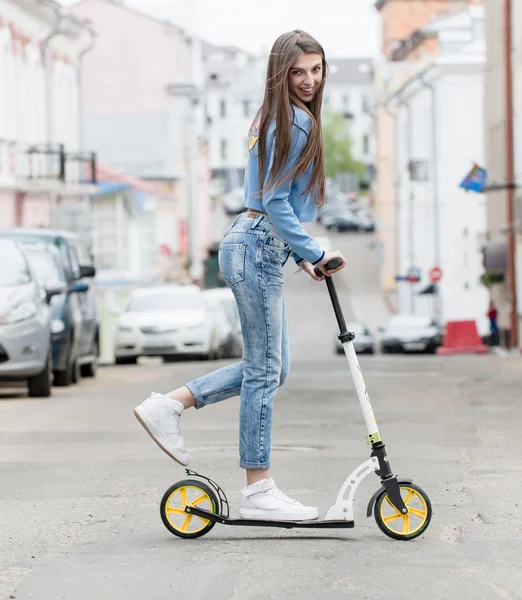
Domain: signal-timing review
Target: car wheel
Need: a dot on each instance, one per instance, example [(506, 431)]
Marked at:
[(66, 377), (126, 360), (40, 385), (90, 369), (76, 372)]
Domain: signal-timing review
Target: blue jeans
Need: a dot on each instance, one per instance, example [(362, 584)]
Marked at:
[(251, 259)]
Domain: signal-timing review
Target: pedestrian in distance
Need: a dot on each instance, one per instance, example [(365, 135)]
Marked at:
[(492, 315), (284, 184)]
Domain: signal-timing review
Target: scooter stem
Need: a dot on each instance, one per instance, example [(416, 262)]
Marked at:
[(346, 338)]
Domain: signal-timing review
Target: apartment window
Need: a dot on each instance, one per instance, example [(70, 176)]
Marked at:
[(246, 108), (366, 143), (223, 108), (346, 104), (224, 149), (326, 103), (366, 106)]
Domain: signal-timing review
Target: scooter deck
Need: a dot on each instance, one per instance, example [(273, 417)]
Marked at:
[(216, 518)]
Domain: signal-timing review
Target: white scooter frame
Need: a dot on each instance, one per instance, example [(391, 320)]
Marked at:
[(341, 514)]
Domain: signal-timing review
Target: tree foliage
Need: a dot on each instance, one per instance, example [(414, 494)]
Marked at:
[(337, 142)]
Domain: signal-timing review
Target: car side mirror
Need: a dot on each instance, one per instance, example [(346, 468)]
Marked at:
[(79, 287), (87, 271), (54, 291)]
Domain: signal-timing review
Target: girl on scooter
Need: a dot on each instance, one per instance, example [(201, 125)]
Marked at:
[(284, 184)]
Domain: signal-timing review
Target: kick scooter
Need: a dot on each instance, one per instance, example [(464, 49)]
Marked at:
[(190, 508)]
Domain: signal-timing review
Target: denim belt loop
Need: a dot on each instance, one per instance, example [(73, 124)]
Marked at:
[(256, 221)]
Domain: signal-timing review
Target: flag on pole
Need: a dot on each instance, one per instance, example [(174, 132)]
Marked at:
[(475, 180)]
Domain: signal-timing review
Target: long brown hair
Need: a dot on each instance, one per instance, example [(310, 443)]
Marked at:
[(278, 104)]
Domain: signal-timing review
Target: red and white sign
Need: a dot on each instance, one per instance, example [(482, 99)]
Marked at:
[(435, 274)]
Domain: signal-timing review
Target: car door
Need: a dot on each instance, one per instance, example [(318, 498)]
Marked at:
[(82, 334), (88, 298)]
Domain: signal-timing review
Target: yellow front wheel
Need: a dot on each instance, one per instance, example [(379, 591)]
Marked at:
[(404, 526), (189, 492)]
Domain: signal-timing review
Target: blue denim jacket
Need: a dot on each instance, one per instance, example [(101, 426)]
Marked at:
[(287, 206)]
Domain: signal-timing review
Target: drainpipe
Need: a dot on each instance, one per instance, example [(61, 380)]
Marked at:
[(49, 105), (510, 173), (403, 102), (86, 206), (396, 184), (81, 56), (437, 309)]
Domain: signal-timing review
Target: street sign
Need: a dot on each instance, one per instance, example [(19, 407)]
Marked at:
[(435, 274)]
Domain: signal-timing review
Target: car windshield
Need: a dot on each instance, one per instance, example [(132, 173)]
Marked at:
[(15, 270), (164, 302), (409, 322), (357, 328), (46, 268)]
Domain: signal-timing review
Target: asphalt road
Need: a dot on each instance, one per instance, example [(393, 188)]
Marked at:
[(81, 481)]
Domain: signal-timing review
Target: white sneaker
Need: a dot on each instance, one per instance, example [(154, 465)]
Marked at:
[(160, 416), (264, 501)]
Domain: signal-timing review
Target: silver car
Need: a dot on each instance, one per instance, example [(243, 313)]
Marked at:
[(363, 342), (25, 323)]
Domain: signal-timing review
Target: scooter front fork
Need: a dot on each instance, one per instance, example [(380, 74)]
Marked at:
[(389, 480)]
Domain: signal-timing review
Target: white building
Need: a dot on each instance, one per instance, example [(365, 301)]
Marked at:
[(235, 83), (40, 61), (349, 91), (440, 135)]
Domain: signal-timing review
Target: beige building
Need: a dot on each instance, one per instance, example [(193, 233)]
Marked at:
[(137, 117), (495, 150)]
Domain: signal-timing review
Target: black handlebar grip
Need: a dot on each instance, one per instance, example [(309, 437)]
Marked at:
[(329, 266)]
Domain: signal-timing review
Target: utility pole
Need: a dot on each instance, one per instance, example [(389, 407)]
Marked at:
[(510, 174)]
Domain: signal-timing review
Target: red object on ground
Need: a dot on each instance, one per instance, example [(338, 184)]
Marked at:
[(462, 337)]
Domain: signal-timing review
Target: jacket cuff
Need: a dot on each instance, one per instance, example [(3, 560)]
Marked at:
[(319, 259)]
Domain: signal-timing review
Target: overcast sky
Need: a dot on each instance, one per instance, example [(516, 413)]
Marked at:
[(348, 28)]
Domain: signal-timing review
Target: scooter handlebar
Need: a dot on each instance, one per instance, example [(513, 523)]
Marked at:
[(329, 266)]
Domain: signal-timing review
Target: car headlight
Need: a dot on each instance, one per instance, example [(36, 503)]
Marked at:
[(124, 328), (57, 326), (26, 310)]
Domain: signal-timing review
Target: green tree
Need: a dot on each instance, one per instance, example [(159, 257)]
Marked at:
[(338, 156)]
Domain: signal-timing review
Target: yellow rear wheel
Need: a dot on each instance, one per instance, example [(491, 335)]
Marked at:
[(404, 526), (189, 492)]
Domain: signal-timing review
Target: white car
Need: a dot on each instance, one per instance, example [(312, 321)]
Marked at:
[(410, 333), (223, 304), (363, 342), (166, 321)]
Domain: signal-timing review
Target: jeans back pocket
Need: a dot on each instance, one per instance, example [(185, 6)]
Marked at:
[(231, 259)]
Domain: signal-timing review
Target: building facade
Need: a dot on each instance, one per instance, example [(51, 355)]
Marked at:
[(496, 246), (140, 119), (429, 132), (41, 167), (349, 91)]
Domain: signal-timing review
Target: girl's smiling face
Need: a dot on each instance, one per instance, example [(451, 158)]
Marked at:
[(305, 75)]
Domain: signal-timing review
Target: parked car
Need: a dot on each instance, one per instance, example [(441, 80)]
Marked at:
[(222, 301), (343, 221), (363, 342), (410, 333), (166, 321), (25, 323), (364, 220), (78, 267), (68, 328)]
